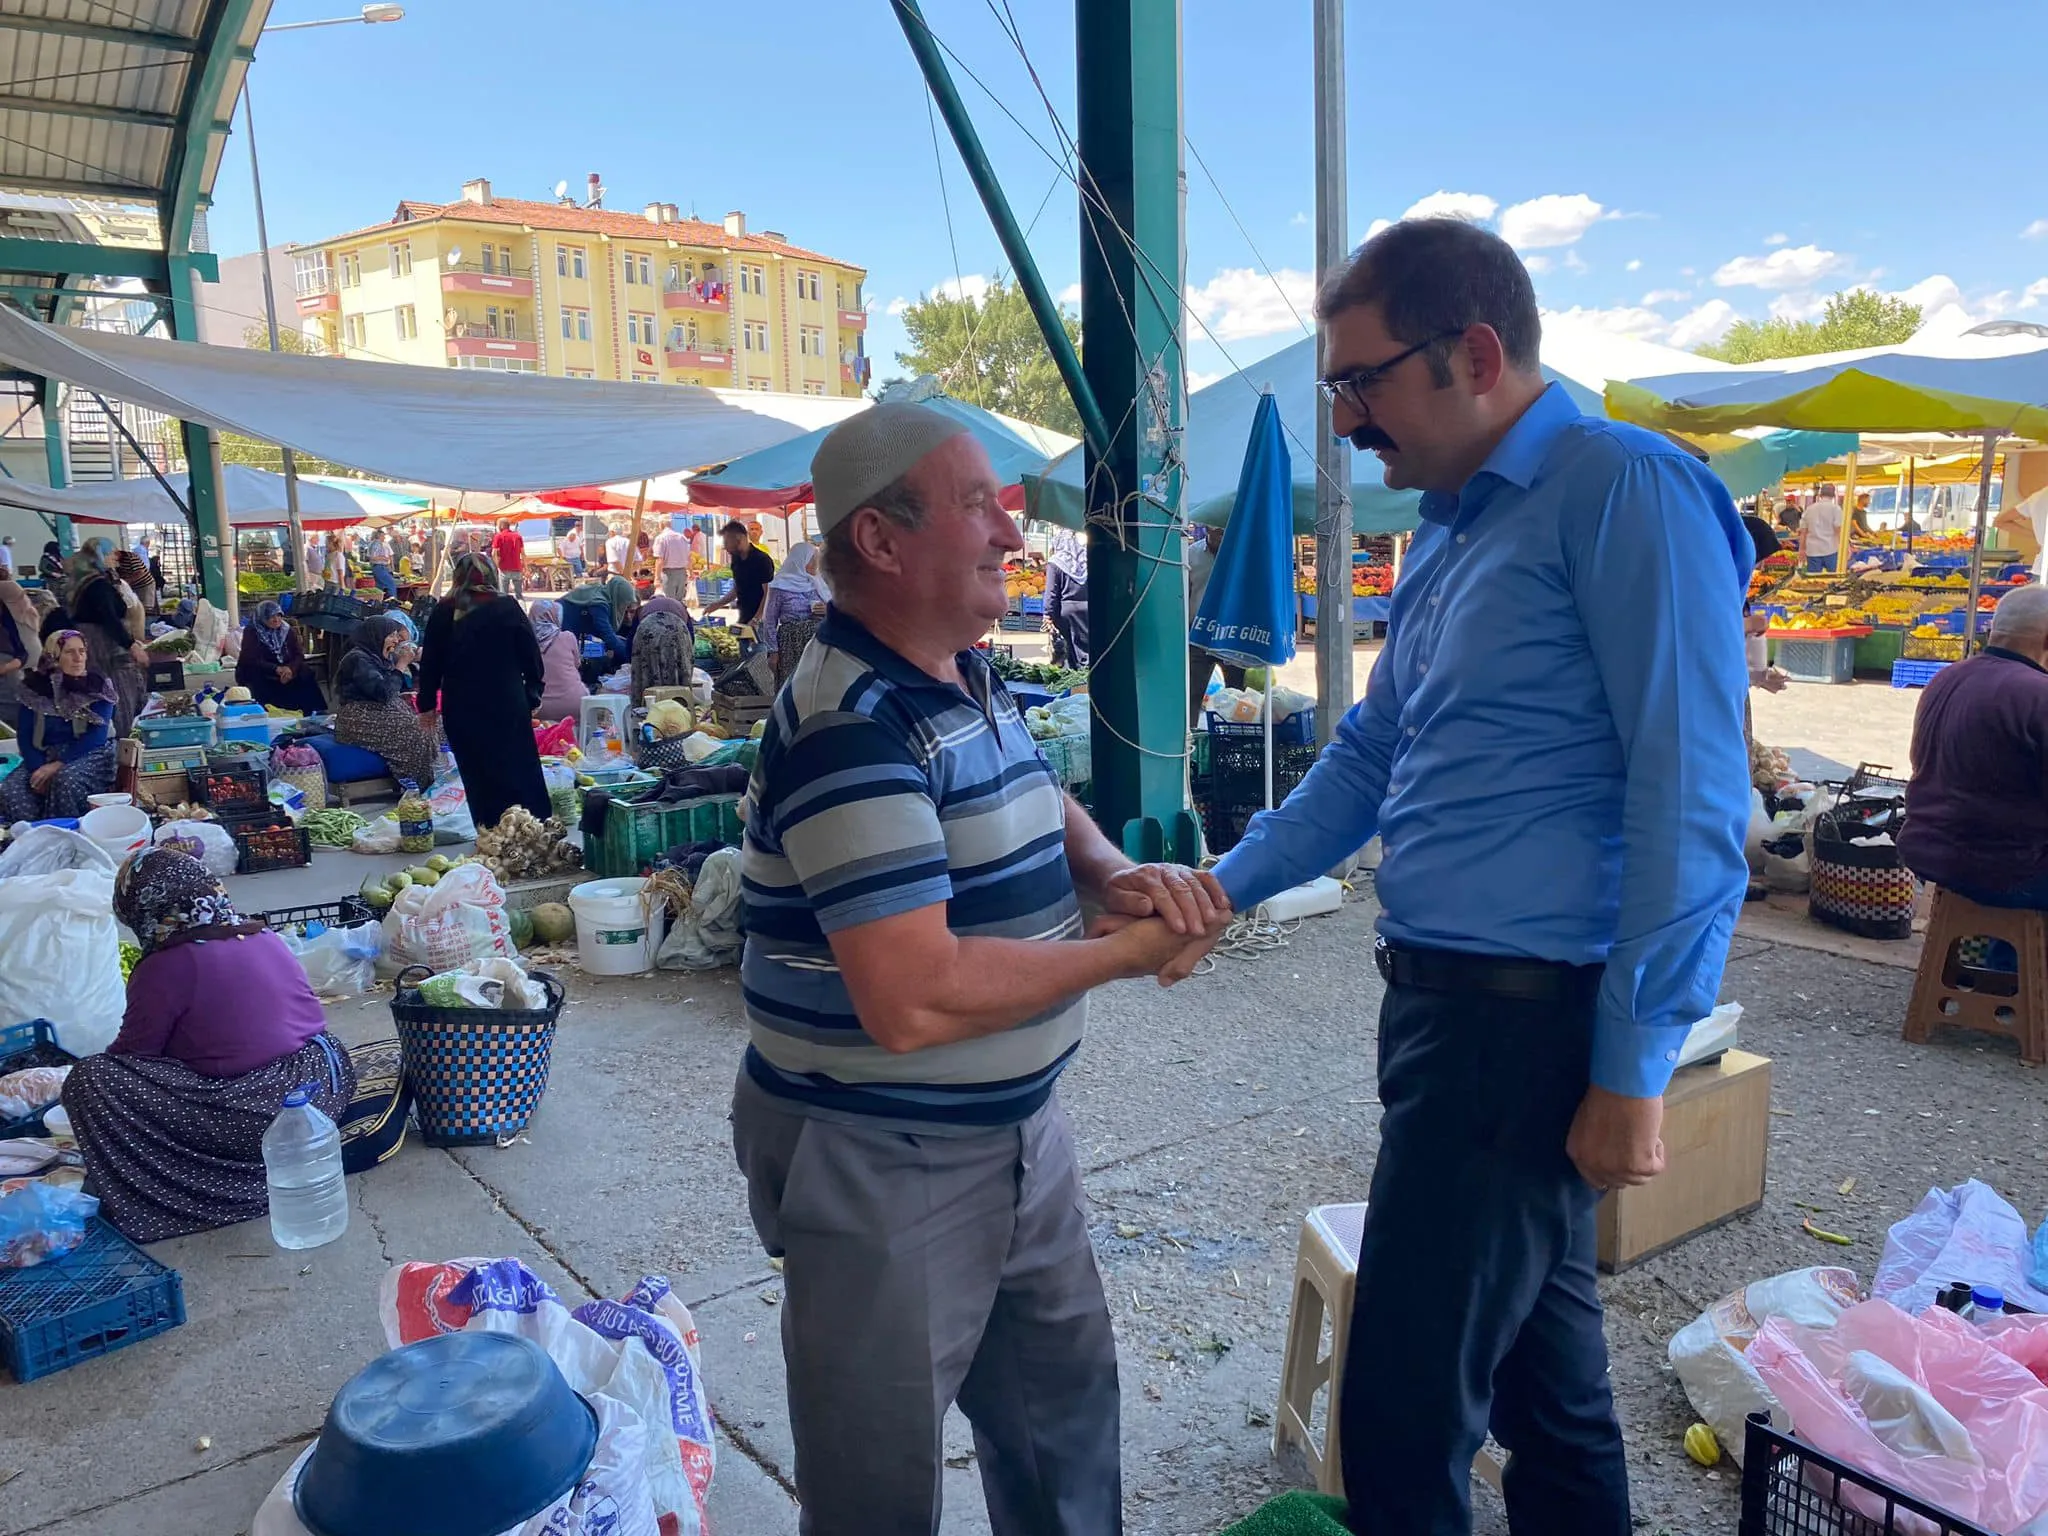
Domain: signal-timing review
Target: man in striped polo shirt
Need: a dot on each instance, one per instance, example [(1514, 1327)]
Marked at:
[(915, 979)]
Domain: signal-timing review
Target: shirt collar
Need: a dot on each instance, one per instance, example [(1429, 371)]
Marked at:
[(843, 631), (2004, 655), (1517, 457)]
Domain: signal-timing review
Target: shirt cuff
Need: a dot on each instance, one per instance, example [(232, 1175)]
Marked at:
[(1636, 1060)]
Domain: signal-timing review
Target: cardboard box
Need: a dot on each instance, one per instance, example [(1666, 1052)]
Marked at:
[(1717, 1119)]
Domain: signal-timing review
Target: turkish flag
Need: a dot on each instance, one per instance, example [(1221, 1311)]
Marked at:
[(644, 356)]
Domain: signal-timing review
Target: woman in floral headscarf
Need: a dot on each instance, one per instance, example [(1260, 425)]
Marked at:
[(221, 1025), (67, 753), (480, 668)]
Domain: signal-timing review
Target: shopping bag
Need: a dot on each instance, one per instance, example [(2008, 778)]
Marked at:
[(445, 926)]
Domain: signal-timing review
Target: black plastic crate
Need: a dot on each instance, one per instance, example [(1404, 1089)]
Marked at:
[(230, 788), (102, 1296), (1297, 728), (33, 1044), (345, 913), (1223, 823), (265, 844), (1237, 769), (1791, 1489)]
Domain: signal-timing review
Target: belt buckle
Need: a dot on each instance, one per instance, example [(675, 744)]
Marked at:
[(1383, 959)]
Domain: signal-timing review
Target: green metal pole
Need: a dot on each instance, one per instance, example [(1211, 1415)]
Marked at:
[(216, 546), (1128, 82), (931, 60), (53, 450)]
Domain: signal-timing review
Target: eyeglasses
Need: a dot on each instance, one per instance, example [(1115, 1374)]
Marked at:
[(1349, 388)]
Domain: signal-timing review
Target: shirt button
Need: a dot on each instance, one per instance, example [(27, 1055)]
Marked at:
[(1461, 538), (1411, 730), (1435, 598), (1671, 1055)]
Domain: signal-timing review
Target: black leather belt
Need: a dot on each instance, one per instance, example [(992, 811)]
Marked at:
[(1449, 970)]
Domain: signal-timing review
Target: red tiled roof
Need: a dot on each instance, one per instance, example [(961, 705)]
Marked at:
[(568, 218)]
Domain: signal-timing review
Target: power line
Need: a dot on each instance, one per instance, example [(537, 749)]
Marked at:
[(959, 282)]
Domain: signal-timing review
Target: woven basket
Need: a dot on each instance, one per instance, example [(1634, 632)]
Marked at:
[(477, 1074), (1862, 890), (310, 782), (661, 754)]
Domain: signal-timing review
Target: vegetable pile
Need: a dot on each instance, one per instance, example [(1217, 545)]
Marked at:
[(1037, 673), (333, 828), (522, 847), (379, 891), (716, 643)]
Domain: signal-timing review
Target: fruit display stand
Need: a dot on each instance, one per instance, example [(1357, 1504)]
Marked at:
[(1817, 655)]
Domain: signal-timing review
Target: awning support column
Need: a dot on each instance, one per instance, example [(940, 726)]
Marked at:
[(216, 550)]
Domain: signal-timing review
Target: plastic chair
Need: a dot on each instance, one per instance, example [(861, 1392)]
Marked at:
[(1325, 1275), (1950, 993)]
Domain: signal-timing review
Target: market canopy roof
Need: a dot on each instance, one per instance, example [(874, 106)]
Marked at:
[(468, 428), (255, 499)]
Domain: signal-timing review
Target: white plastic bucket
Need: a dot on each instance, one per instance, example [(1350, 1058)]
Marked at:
[(120, 829), (96, 801), (614, 935)]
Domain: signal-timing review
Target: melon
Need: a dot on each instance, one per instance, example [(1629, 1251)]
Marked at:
[(521, 923), (553, 923)]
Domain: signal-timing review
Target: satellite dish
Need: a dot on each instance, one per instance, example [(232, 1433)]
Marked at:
[(454, 255), (561, 189)]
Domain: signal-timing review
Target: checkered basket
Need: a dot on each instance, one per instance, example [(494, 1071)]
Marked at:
[(477, 1074)]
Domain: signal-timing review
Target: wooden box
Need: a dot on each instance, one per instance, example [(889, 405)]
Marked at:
[(1717, 1119)]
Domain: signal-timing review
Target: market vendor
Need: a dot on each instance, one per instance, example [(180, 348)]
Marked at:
[(221, 1025), (599, 610), (1066, 599), (65, 721), (272, 664), (1977, 803), (370, 709)]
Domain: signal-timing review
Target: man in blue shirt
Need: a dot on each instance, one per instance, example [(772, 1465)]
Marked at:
[(1551, 750)]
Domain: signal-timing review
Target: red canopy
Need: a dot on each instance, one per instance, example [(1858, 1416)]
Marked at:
[(595, 498)]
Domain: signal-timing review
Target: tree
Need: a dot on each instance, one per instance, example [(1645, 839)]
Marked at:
[(1854, 318), (989, 352)]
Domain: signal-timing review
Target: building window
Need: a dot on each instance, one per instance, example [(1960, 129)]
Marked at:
[(809, 286), (810, 341), (753, 278), (640, 330), (408, 322), (351, 269), (646, 378), (639, 269), (575, 325), (578, 373), (569, 261), (311, 275), (760, 384), (352, 330), (401, 258), (757, 335), (813, 387)]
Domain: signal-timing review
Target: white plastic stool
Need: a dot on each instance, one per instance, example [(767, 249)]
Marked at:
[(1325, 1275)]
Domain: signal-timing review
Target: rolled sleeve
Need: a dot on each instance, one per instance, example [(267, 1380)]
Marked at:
[(1660, 589), (855, 818)]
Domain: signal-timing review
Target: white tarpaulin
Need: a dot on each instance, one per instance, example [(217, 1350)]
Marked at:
[(255, 499), (473, 429)]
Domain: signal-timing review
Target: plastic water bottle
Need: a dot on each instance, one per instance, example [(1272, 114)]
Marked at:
[(1985, 1301), (302, 1163)]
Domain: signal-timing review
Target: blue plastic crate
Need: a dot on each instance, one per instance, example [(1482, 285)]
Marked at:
[(102, 1296), (1032, 607), (1817, 660), (33, 1044), (1297, 729), (1916, 674)]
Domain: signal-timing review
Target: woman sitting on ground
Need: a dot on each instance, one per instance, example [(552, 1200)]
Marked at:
[(664, 647), (67, 747), (371, 711), (561, 663), (272, 664), (221, 1025)]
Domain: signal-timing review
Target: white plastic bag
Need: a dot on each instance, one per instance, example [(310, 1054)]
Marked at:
[(217, 848), (47, 850), (209, 631), (450, 801), (380, 836), (445, 926), (707, 936), (492, 983), (339, 962), (1710, 1352), (1966, 1234), (63, 952)]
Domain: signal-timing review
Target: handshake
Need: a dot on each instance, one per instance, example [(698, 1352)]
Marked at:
[(1162, 919)]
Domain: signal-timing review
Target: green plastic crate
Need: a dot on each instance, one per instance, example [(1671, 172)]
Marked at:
[(1876, 652), (636, 835)]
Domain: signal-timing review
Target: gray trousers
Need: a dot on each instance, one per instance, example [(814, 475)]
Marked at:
[(921, 1271)]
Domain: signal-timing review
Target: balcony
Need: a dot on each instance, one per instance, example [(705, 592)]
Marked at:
[(324, 302), (711, 298), (697, 357), (473, 278), (853, 319), (482, 341)]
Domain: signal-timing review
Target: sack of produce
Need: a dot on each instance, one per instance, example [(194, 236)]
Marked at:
[(458, 918), (379, 836), (1708, 1353), (58, 933), (493, 983)]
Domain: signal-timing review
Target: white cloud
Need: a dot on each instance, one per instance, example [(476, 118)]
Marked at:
[(1240, 302), (1201, 379), (1475, 206), (1299, 221), (1799, 306), (1537, 264), (1932, 293), (973, 286), (2036, 294), (1790, 266), (1574, 261), (1376, 226), (2038, 230), (1687, 272), (1781, 238), (1666, 295), (1071, 295), (1635, 265), (1556, 218), (1642, 324), (897, 306), (1707, 323)]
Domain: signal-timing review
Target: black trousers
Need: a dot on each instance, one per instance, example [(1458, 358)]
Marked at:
[(1477, 1304)]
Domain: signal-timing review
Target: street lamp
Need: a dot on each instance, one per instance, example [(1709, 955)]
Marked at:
[(294, 527)]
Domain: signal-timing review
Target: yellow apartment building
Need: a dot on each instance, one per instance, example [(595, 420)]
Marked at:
[(586, 292)]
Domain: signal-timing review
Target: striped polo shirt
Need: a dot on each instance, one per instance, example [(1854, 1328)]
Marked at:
[(880, 790)]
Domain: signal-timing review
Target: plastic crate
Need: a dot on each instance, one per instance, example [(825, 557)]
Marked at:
[(1237, 770), (1031, 607), (1818, 661), (229, 788), (1931, 648), (174, 731), (22, 1046), (1071, 759), (1017, 623), (1297, 728), (1791, 1489), (165, 674), (636, 835), (1915, 674), (345, 913), (102, 1296), (1223, 824), (268, 843)]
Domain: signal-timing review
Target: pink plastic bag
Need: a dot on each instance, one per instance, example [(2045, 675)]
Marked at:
[(1953, 1374)]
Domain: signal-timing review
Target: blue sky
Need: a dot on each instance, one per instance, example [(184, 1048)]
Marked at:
[(1666, 169)]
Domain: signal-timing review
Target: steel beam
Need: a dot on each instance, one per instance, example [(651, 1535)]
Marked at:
[(1333, 455), (93, 32), (91, 111), (214, 537), (200, 109), (1133, 214), (55, 258)]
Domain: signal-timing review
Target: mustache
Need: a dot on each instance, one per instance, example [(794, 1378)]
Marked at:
[(1370, 437)]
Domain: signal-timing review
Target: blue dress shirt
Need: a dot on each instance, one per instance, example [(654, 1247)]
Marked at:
[(1551, 743)]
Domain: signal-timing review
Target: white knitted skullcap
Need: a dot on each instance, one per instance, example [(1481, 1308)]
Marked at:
[(870, 451)]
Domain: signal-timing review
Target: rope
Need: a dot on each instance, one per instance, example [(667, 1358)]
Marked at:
[(1248, 937), (959, 282)]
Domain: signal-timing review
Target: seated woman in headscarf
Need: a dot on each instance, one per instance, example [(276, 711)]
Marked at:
[(797, 592), (221, 1025), (664, 647), (599, 610), (272, 664), (65, 719), (370, 711), (20, 647), (561, 662)]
